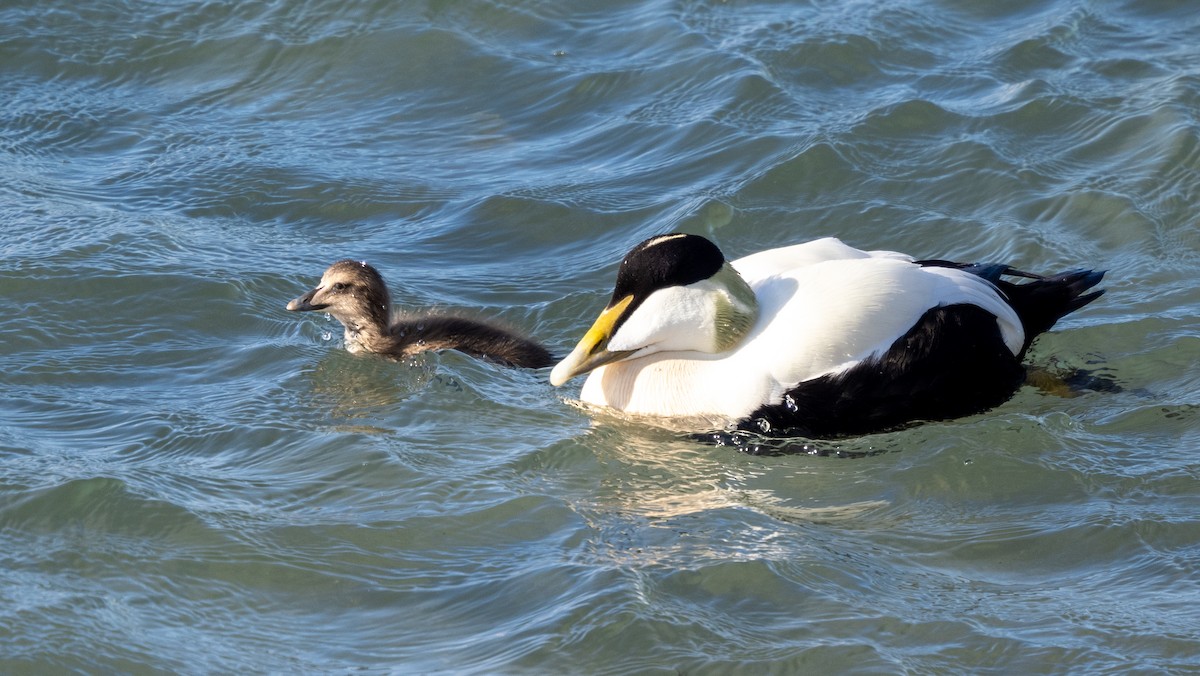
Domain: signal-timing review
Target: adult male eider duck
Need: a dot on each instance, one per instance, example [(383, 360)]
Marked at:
[(817, 339), (354, 294)]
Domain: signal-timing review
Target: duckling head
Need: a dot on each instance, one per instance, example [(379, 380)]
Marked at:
[(353, 293), (674, 293)]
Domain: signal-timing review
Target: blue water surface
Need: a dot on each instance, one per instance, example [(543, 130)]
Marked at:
[(194, 480)]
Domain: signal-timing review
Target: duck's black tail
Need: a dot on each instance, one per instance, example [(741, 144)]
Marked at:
[(1046, 300), (1039, 303)]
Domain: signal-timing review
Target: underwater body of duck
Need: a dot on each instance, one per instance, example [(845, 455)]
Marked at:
[(816, 339)]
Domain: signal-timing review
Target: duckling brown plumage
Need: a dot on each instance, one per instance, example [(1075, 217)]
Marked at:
[(355, 294)]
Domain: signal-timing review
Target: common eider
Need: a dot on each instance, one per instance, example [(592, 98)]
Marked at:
[(817, 339), (354, 294)]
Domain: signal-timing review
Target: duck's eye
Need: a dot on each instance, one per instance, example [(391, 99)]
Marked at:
[(340, 286)]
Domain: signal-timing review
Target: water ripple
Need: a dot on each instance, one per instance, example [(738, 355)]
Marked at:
[(195, 479)]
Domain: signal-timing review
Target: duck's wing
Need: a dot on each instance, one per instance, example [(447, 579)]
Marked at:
[(952, 362), (853, 345), (829, 316)]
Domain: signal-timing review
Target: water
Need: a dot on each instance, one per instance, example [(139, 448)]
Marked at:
[(194, 480)]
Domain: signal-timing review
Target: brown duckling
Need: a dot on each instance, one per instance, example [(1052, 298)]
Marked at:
[(354, 294)]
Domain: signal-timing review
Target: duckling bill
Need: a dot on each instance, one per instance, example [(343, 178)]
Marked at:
[(355, 294), (816, 339)]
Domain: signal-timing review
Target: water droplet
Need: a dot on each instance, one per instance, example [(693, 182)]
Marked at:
[(790, 403)]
